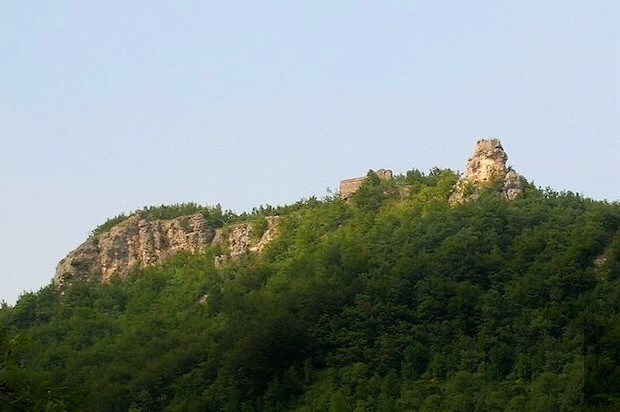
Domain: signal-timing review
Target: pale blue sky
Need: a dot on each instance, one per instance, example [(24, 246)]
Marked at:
[(108, 106)]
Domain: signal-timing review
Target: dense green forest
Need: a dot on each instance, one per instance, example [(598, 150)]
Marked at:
[(396, 301)]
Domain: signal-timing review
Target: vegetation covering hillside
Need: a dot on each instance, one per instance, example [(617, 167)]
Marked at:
[(397, 301)]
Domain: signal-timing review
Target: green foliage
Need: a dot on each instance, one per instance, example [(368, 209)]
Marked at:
[(20, 394), (108, 224), (213, 214), (259, 227), (399, 301)]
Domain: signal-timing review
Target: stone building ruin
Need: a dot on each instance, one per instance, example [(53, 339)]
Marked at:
[(349, 186)]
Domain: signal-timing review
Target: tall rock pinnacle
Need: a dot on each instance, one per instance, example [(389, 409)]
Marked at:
[(487, 163), (487, 166)]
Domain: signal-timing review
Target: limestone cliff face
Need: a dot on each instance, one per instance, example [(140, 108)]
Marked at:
[(133, 242), (487, 165), (241, 238), (139, 242)]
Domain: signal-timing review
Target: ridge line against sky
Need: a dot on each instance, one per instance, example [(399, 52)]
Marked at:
[(107, 107)]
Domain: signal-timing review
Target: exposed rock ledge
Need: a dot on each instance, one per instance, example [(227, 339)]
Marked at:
[(138, 242), (134, 242), (241, 238)]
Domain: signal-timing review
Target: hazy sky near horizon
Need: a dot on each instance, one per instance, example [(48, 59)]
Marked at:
[(109, 106)]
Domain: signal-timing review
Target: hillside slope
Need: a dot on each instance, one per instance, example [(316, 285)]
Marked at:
[(396, 299)]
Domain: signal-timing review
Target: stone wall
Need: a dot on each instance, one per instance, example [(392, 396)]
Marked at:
[(349, 186)]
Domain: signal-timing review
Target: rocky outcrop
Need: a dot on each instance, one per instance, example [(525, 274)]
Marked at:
[(140, 242), (135, 242), (349, 186), (487, 163), (512, 186), (486, 168), (239, 239)]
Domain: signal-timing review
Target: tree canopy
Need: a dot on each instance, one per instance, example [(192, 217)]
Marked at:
[(397, 300)]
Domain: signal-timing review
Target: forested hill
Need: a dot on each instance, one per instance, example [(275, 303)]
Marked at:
[(397, 300)]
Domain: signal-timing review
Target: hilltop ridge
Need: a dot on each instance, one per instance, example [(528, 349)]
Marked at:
[(397, 298), (138, 241)]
